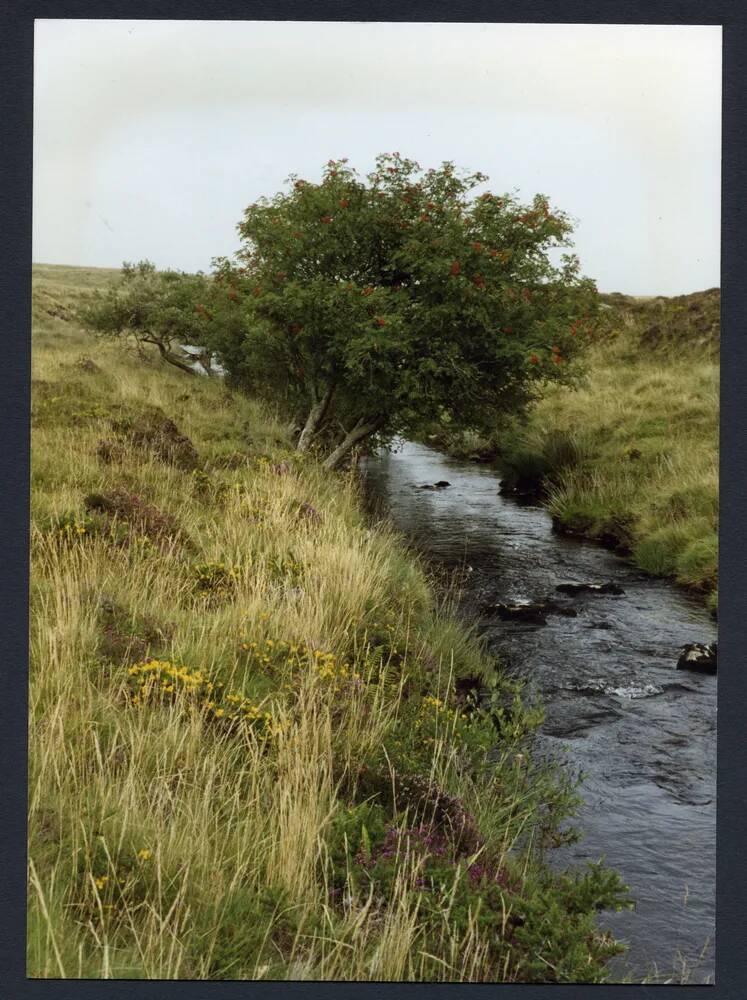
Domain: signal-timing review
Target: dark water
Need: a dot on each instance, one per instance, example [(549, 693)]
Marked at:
[(642, 733)]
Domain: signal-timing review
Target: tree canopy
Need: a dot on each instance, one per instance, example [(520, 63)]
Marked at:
[(377, 305), (372, 307)]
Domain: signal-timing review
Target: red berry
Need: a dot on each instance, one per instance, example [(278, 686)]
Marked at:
[(534, 359), (456, 267), (380, 321)]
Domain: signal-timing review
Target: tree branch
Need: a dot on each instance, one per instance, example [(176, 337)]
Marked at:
[(363, 428), (167, 356)]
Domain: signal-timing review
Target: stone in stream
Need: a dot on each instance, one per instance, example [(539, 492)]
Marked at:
[(589, 588), (440, 485), (533, 612), (699, 656)]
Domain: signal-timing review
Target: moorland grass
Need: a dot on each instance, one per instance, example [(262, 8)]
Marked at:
[(253, 752), (630, 455)]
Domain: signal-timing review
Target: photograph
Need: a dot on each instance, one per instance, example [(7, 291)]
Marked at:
[(374, 502)]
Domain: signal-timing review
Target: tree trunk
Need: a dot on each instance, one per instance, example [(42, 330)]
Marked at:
[(206, 360), (362, 430), (169, 357), (316, 415)]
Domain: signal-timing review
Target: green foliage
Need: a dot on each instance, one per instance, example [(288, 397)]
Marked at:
[(396, 300), (557, 932), (214, 582), (544, 928), (158, 308), (249, 930)]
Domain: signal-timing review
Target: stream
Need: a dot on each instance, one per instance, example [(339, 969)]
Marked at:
[(642, 734)]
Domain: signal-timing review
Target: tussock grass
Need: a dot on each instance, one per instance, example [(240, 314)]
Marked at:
[(170, 839)]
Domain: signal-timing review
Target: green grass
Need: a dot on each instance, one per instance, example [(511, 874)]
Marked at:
[(251, 753), (631, 455)]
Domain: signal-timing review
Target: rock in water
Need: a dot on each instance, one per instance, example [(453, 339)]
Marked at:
[(590, 588), (699, 656), (532, 612), (442, 484)]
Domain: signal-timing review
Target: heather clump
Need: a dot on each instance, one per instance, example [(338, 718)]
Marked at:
[(125, 508), (151, 431)]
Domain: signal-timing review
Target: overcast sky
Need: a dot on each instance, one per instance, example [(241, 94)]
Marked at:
[(151, 137)]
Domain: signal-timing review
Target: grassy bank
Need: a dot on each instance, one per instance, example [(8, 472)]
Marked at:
[(253, 748), (630, 457)]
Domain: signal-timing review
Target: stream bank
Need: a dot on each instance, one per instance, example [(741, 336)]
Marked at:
[(642, 734)]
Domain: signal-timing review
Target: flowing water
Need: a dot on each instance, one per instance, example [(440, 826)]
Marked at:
[(642, 734)]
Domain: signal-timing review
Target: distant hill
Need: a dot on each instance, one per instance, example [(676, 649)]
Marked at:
[(655, 323), (660, 322)]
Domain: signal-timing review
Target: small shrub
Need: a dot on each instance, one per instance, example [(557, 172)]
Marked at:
[(157, 682), (125, 638), (119, 506), (152, 431), (214, 582), (208, 489)]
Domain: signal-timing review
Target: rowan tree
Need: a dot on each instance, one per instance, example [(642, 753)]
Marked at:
[(377, 305)]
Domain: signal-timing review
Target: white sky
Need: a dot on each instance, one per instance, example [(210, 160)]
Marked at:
[(151, 137)]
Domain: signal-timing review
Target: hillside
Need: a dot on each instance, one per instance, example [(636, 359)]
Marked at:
[(255, 747)]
